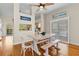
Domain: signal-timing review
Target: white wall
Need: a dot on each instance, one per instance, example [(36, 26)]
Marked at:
[(19, 35), (73, 13), (6, 15), (6, 9)]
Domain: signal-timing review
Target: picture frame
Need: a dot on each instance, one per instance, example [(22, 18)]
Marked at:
[(25, 27), (25, 18)]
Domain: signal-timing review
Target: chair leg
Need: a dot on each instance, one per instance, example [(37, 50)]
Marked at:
[(46, 52), (57, 49), (21, 51), (24, 52), (32, 52)]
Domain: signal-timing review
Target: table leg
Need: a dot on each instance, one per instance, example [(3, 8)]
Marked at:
[(46, 52), (57, 49)]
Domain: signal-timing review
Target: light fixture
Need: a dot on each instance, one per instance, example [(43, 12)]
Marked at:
[(39, 25), (41, 7)]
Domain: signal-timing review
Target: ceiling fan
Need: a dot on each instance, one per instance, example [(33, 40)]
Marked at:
[(43, 5)]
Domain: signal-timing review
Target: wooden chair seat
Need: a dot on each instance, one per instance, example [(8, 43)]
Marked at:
[(28, 43), (26, 46)]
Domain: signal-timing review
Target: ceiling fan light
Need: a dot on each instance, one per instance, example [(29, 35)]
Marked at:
[(41, 8)]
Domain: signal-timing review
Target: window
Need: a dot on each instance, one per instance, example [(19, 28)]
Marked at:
[(60, 28)]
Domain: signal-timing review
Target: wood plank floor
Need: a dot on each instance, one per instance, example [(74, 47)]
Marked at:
[(17, 51), (7, 49), (29, 52), (73, 50)]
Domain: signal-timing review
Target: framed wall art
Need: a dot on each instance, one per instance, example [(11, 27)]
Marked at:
[(25, 27), (25, 18)]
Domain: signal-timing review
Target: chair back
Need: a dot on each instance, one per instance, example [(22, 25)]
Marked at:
[(35, 47)]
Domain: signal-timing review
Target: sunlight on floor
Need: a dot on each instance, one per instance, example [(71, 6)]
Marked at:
[(8, 45), (0, 43)]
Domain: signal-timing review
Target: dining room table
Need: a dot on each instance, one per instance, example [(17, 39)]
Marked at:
[(38, 39), (41, 38)]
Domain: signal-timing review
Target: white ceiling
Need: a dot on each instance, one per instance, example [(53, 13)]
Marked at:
[(51, 8), (6, 9), (25, 8), (56, 6)]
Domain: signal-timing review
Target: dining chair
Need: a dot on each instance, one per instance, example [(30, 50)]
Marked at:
[(35, 47), (52, 44), (55, 42), (26, 45)]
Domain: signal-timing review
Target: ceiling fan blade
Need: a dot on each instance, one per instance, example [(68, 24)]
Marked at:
[(36, 4), (43, 4), (48, 4)]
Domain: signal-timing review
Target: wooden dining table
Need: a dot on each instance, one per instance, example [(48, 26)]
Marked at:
[(42, 38)]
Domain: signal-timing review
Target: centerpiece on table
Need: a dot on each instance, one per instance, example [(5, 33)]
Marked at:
[(43, 33)]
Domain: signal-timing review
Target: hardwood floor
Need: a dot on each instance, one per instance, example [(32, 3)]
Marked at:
[(17, 51), (73, 50), (6, 46), (8, 49)]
